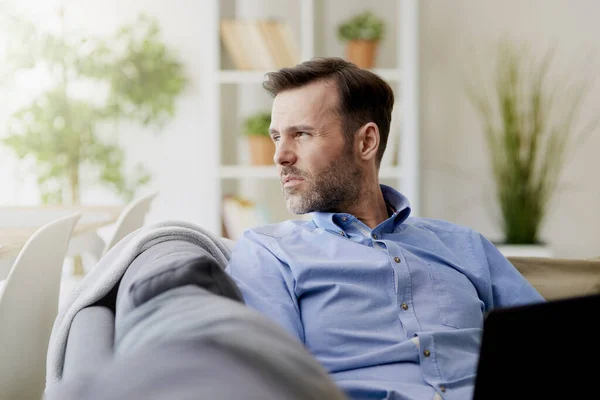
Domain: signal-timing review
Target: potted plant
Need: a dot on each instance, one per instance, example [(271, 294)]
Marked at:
[(72, 135), (362, 34), (256, 129), (529, 122)]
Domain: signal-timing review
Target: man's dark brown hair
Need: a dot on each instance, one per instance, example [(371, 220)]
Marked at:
[(364, 96)]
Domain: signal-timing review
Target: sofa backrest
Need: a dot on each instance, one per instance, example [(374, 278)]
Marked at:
[(557, 278)]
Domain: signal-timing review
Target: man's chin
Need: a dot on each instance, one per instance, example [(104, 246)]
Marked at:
[(291, 203), (292, 209), (296, 212)]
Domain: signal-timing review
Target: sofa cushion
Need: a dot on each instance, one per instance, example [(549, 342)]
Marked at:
[(182, 370)]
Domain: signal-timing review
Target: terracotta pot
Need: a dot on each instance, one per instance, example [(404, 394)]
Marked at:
[(262, 150), (362, 53)]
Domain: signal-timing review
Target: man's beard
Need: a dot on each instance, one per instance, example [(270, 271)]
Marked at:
[(333, 189)]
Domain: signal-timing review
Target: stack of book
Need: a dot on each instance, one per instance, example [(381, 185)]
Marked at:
[(259, 45)]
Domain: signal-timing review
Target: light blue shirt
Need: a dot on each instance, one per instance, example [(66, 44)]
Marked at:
[(394, 312)]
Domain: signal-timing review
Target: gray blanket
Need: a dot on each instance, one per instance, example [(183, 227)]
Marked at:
[(109, 270), (181, 330)]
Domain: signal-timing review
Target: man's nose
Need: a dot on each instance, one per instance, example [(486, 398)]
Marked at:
[(284, 154)]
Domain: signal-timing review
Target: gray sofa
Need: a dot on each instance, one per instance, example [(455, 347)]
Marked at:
[(175, 327)]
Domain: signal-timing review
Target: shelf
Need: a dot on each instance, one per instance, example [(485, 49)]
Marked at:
[(239, 76), (270, 172)]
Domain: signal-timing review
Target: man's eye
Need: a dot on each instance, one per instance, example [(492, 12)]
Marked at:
[(275, 138), (302, 134)]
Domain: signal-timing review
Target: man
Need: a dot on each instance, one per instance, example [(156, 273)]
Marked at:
[(391, 305)]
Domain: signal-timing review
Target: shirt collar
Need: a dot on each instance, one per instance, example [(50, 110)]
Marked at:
[(337, 221)]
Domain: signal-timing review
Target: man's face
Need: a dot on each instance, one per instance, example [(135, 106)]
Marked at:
[(319, 170)]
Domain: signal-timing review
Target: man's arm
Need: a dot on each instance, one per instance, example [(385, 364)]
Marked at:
[(509, 287), (266, 282)]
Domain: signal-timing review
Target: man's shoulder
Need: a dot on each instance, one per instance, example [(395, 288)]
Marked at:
[(282, 229), (438, 225), (274, 237)]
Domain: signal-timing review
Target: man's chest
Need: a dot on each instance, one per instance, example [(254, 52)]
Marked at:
[(363, 299)]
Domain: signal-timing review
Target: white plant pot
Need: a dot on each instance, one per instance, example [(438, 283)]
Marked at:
[(525, 250)]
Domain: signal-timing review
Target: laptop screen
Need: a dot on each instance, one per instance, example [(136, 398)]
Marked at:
[(541, 350)]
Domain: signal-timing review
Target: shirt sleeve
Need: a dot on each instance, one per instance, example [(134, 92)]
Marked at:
[(266, 282), (509, 287)]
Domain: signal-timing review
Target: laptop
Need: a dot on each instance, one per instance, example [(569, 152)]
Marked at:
[(545, 350)]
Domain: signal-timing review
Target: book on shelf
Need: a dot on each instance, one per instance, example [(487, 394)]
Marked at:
[(229, 37), (259, 44)]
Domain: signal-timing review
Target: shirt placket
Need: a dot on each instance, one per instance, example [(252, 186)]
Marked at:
[(403, 287)]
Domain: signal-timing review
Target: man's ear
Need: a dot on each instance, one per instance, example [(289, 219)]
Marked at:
[(368, 141)]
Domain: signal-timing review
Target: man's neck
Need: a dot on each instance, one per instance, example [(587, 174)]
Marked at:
[(371, 208)]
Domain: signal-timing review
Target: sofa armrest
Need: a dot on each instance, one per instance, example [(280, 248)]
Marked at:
[(90, 342), (557, 278)]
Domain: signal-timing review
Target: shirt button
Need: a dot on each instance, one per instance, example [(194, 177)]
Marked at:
[(374, 236), (344, 219), (342, 233), (404, 306), (442, 389), (397, 260), (426, 353)]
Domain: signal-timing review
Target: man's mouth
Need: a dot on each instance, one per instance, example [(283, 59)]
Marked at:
[(291, 181)]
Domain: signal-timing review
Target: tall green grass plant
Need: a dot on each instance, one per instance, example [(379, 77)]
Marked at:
[(531, 127)]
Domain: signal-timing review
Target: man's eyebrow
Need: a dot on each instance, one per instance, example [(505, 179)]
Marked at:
[(301, 128), (294, 128)]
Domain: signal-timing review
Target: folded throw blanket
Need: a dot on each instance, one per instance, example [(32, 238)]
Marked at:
[(110, 269)]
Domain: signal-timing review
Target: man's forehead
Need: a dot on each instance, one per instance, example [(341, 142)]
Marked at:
[(320, 93), (315, 99)]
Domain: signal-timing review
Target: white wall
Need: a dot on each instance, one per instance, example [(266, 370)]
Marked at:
[(456, 185)]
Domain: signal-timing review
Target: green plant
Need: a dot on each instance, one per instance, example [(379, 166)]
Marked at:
[(70, 129), (257, 124), (364, 26), (530, 130)]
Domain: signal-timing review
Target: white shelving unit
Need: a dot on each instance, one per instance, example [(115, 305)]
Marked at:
[(403, 77)]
